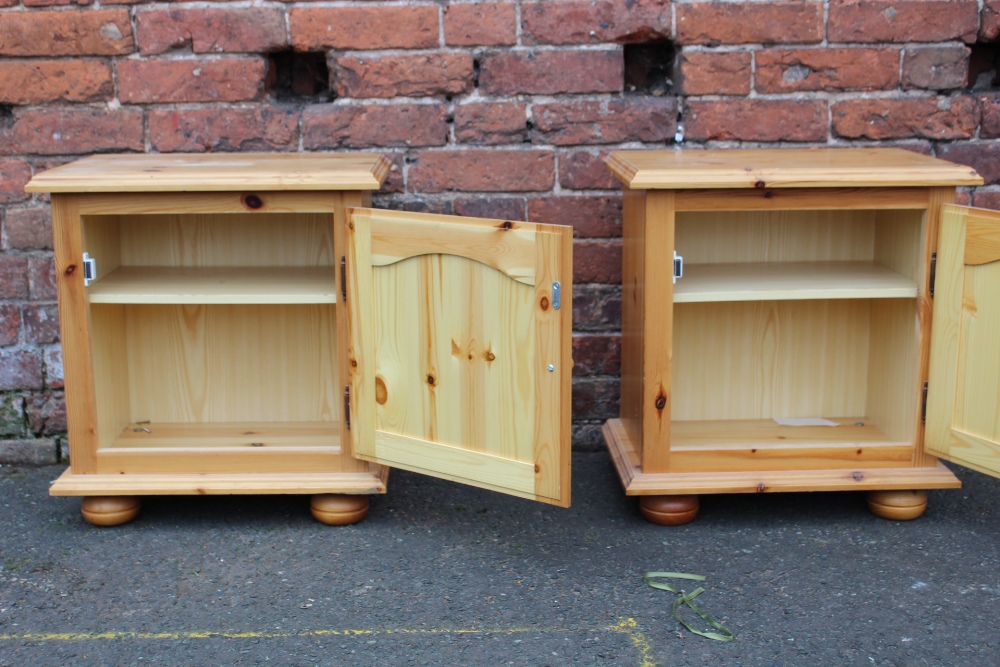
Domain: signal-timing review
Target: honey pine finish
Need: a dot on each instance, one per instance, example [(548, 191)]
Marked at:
[(808, 293), (243, 324)]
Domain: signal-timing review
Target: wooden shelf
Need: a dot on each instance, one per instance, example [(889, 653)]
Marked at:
[(777, 281), (215, 285), (762, 433), (252, 435)]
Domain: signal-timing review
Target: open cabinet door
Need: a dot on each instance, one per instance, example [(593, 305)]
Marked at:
[(963, 398), (460, 349)]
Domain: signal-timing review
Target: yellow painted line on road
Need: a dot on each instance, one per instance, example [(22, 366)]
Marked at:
[(626, 626)]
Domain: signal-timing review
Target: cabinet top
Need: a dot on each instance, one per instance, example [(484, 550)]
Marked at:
[(786, 168), (215, 172)]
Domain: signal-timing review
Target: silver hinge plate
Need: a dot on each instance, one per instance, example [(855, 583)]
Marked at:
[(678, 266), (556, 295), (347, 406), (933, 271), (89, 269)]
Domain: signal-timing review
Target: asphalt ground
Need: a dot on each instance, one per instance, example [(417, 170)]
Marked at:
[(442, 574)]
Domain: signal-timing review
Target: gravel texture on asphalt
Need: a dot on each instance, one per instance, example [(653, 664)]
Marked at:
[(442, 574)]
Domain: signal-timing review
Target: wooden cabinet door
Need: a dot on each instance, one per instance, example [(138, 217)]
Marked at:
[(963, 399), (460, 349)]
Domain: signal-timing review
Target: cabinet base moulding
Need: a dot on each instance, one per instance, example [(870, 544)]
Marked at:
[(186, 484), (638, 483)]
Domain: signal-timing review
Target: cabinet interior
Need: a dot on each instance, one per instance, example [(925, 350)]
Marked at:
[(214, 331), (796, 314)]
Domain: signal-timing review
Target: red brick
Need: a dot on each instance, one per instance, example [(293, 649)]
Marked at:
[(597, 307), (9, 3), (589, 216), (224, 80), (990, 108), (66, 131), (926, 117), (252, 30), (496, 208), (28, 229), (988, 199), (16, 174), (42, 278), (597, 354), (20, 370), (53, 367), (10, 323), (715, 72), (41, 324), (597, 262), (935, 67), (403, 75), (98, 32), (613, 121), (224, 129), (776, 22), (989, 21), (326, 126), (582, 170), (481, 24), (551, 72), (791, 70), (595, 22), (13, 277), (361, 28), (46, 413), (491, 123), (39, 81), (482, 170), (757, 120), (903, 21), (984, 157)]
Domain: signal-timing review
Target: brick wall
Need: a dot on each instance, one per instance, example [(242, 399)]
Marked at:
[(499, 109)]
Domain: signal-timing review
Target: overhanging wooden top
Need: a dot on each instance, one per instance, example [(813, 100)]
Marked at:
[(215, 172), (786, 168)]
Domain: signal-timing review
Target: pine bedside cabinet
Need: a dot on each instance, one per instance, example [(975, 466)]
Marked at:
[(242, 324), (803, 320)]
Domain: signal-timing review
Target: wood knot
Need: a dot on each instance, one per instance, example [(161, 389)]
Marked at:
[(507, 224), (760, 185), (253, 201), (256, 444), (858, 476), (381, 392), (544, 303), (489, 356), (661, 402), (71, 269), (431, 379)]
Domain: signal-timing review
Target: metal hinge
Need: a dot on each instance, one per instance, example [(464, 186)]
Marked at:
[(89, 269), (343, 278), (678, 266), (347, 406), (556, 295), (923, 408), (933, 271)]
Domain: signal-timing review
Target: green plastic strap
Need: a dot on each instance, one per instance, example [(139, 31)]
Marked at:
[(724, 634)]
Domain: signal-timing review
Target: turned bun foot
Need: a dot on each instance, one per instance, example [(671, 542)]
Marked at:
[(110, 510), (897, 505), (338, 509), (669, 510)]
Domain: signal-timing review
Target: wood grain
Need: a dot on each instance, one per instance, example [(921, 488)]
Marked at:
[(785, 168), (214, 172)]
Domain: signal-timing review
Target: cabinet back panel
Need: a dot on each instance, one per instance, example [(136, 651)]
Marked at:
[(766, 359), (225, 363), (716, 237), (269, 239), (455, 347)]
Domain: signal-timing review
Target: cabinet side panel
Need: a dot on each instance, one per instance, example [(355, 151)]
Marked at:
[(225, 363), (633, 293), (893, 387), (74, 323), (657, 331), (111, 379), (767, 359)]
